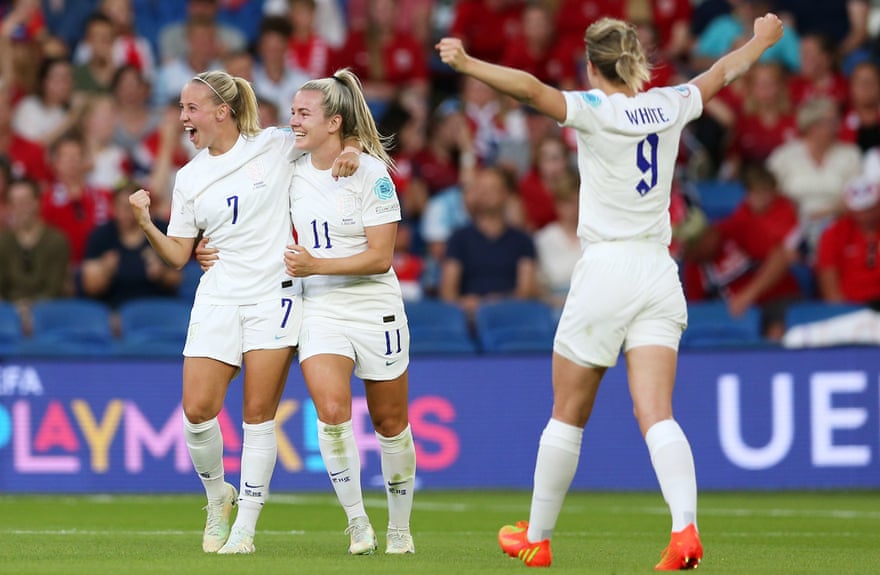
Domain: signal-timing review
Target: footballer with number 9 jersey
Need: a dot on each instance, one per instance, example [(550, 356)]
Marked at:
[(353, 314), (625, 293)]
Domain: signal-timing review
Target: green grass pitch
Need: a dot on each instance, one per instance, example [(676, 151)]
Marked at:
[(786, 533)]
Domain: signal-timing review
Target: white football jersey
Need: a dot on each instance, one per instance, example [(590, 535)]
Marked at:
[(330, 217), (240, 201), (627, 149)]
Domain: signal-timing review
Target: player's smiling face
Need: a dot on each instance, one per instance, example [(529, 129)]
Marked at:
[(308, 122), (197, 114)]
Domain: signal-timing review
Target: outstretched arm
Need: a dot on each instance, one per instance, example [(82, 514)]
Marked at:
[(768, 31), (520, 85)]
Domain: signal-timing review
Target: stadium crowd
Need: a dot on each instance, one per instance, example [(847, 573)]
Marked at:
[(88, 110)]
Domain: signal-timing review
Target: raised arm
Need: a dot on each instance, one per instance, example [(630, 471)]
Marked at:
[(767, 31), (520, 85), (174, 251)]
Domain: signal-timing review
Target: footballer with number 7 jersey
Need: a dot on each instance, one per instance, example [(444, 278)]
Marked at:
[(625, 292)]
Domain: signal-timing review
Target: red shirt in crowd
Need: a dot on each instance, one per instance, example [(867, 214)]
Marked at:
[(747, 238), (28, 159), (555, 67), (437, 173), (802, 89), (853, 253), (312, 56), (486, 32), (76, 218), (753, 139), (402, 59), (537, 201)]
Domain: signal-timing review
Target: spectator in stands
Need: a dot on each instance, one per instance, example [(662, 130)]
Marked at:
[(25, 158), (813, 168), (22, 39), (390, 63), (766, 120), (203, 54), (818, 76), (670, 18), (110, 164), (498, 125), (743, 267), (34, 256), (129, 47), (67, 19), (487, 27), (448, 159), (135, 120), (44, 116), (557, 245), (551, 160), (728, 30), (861, 122), (120, 264), (307, 50), (488, 259), (844, 22), (327, 21), (273, 78), (173, 36), (411, 16), (540, 50), (848, 265), (70, 203), (95, 74)]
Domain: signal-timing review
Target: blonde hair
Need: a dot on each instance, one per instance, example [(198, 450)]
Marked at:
[(238, 94), (343, 95), (613, 47)]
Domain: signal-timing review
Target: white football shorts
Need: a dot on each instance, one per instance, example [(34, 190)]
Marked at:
[(623, 295), (225, 332), (378, 355)]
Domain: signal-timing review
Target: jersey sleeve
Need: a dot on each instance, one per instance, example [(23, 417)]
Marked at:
[(690, 101), (581, 109), (380, 203), (182, 223)]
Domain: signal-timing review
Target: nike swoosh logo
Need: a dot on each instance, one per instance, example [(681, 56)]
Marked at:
[(338, 472), (396, 483), (249, 486), (277, 337), (387, 363)]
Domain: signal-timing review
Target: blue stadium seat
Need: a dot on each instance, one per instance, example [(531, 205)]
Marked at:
[(69, 327), (803, 312), (711, 325), (10, 329), (438, 327), (806, 279), (718, 198), (153, 327), (516, 326)]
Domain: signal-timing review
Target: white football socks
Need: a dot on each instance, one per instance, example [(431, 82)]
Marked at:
[(205, 444), (343, 463), (558, 452), (399, 472), (674, 465), (258, 453)]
